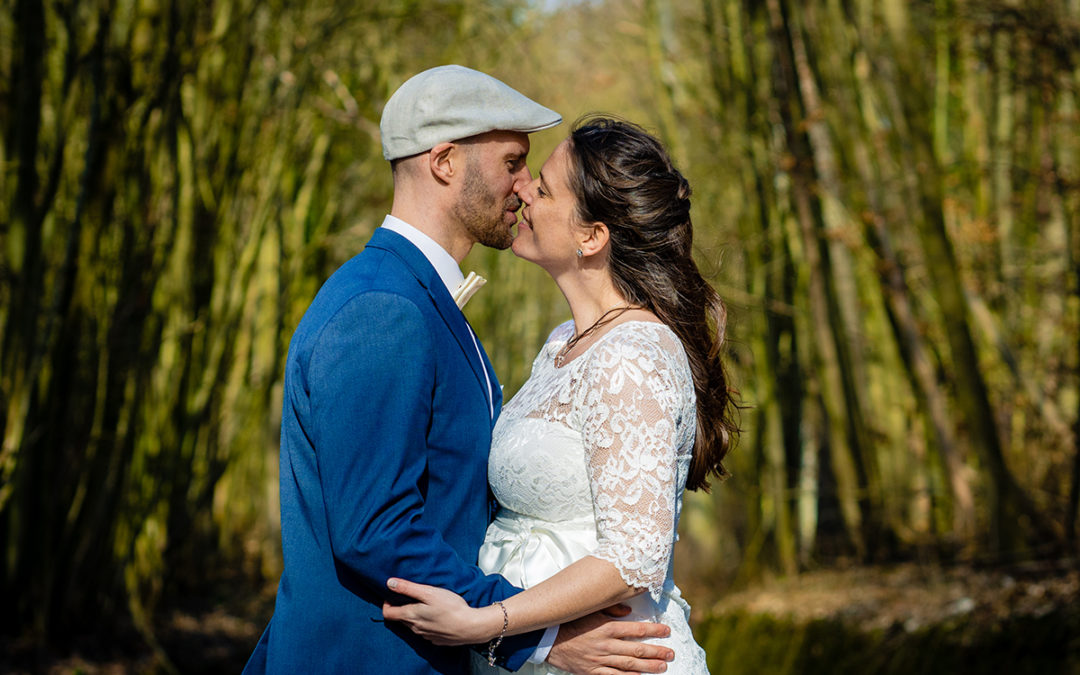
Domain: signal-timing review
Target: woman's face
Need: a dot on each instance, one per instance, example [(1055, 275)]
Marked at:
[(547, 228)]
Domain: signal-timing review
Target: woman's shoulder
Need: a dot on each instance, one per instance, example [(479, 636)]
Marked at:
[(641, 341), (555, 339), (644, 334), (561, 333), (645, 357)]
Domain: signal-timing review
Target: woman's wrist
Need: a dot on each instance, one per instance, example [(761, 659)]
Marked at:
[(497, 640), (491, 622)]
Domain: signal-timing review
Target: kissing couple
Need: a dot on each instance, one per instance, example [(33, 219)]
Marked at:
[(428, 528)]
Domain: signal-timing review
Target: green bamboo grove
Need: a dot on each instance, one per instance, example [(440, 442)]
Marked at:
[(887, 195)]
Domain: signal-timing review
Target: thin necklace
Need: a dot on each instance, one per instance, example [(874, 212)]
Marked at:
[(560, 357)]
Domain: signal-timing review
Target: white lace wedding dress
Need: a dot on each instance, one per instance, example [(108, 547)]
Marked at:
[(591, 459)]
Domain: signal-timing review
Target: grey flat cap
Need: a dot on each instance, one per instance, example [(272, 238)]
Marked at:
[(448, 103)]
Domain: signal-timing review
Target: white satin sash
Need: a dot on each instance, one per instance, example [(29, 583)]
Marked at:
[(527, 550)]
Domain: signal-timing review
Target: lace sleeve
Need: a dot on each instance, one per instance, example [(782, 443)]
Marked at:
[(634, 423)]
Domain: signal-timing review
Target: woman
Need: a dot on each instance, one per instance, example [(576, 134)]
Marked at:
[(626, 405)]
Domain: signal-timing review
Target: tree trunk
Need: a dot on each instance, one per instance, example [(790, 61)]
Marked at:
[(828, 326), (900, 305), (924, 185)]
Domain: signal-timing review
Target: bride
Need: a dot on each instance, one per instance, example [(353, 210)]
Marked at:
[(626, 406)]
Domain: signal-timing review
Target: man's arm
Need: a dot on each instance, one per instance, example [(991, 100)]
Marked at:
[(595, 643), (370, 379)]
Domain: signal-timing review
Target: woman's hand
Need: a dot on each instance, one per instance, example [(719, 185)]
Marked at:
[(441, 616)]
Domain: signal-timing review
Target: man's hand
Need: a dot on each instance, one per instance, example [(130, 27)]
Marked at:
[(597, 644)]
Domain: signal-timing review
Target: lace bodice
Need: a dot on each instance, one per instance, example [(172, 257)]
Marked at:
[(608, 437)]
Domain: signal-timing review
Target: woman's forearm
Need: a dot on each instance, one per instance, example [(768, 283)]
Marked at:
[(588, 585), (444, 618)]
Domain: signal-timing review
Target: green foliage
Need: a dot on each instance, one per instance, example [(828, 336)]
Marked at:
[(178, 178), (886, 194)]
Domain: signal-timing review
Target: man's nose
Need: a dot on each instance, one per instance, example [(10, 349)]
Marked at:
[(522, 180), (526, 192)]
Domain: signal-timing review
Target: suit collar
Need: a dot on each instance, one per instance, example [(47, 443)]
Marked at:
[(445, 265), (414, 259)]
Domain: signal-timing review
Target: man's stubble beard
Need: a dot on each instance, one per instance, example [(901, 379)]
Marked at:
[(474, 210)]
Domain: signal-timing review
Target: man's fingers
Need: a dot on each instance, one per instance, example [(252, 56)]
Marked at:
[(641, 651), (637, 630), (620, 671), (627, 656), (610, 647), (629, 665), (647, 652)]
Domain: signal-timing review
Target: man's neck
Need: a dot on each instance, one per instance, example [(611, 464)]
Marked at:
[(447, 268), (435, 225)]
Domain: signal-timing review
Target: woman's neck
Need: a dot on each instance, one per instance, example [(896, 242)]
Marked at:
[(590, 295)]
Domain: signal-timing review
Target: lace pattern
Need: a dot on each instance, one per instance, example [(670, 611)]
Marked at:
[(629, 402)]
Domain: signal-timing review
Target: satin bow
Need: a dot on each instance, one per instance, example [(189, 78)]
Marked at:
[(528, 550), (467, 288)]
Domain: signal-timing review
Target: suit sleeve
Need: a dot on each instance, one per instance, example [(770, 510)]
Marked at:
[(370, 378)]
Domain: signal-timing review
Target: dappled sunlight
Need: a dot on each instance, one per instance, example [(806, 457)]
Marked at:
[(886, 194)]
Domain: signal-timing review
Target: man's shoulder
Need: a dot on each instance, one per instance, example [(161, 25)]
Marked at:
[(371, 281), (372, 270)]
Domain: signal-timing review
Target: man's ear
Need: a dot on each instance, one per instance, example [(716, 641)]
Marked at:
[(445, 160), (595, 238)]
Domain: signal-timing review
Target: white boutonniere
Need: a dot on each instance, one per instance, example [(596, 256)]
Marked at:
[(467, 288)]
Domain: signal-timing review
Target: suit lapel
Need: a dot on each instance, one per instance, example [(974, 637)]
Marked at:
[(496, 388), (427, 276)]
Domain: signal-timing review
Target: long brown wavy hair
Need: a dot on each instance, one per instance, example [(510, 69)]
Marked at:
[(623, 177)]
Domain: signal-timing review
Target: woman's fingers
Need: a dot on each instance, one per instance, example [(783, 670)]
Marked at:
[(415, 614), (395, 612), (408, 588), (438, 615), (408, 615), (432, 596)]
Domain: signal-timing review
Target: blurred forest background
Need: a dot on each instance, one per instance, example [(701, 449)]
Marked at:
[(886, 193)]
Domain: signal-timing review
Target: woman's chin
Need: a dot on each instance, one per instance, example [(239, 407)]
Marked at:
[(520, 249), (515, 248)]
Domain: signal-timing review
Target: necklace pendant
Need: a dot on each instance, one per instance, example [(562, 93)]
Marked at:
[(560, 358)]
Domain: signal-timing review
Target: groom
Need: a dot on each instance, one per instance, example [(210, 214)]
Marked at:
[(389, 403)]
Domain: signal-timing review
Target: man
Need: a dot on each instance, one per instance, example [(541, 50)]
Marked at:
[(390, 400)]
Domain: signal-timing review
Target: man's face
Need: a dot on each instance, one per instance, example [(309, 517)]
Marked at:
[(495, 171)]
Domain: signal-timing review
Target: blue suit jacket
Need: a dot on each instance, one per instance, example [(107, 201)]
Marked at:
[(385, 434)]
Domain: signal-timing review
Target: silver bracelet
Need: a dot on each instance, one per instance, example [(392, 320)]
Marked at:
[(494, 644)]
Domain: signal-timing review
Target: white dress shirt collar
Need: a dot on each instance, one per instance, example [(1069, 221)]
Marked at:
[(443, 262)]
